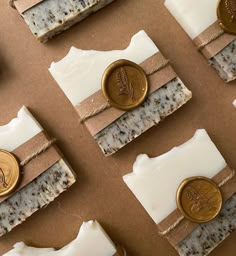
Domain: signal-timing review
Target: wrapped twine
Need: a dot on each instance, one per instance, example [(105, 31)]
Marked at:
[(41, 150), (210, 40)]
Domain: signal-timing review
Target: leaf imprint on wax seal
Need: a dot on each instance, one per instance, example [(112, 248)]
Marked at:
[(3, 182), (126, 87), (231, 8), (201, 201)]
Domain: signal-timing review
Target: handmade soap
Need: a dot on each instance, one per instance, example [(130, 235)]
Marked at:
[(154, 177), (79, 75), (92, 240), (196, 17), (51, 17), (40, 191)]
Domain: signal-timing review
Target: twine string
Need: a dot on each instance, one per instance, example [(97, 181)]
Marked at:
[(171, 227), (180, 219), (156, 69), (107, 104), (211, 39), (223, 182), (95, 112), (41, 150)]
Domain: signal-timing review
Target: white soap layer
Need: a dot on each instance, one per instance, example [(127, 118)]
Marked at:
[(19, 130), (154, 181), (92, 240), (234, 103), (193, 15), (79, 74)]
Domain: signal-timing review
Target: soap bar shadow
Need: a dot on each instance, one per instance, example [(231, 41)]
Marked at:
[(6, 72)]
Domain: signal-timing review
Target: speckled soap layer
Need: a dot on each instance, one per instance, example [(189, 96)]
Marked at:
[(35, 195), (225, 62), (51, 17), (157, 106), (208, 236)]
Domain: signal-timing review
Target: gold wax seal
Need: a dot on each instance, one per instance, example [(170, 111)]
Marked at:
[(226, 12), (9, 173), (199, 199), (125, 85)]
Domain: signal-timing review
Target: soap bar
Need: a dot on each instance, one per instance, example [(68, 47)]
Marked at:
[(154, 177), (92, 240), (50, 17), (196, 17), (79, 75), (43, 189)]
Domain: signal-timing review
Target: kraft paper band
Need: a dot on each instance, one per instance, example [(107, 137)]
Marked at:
[(157, 79), (185, 227), (37, 165), (24, 5), (213, 40)]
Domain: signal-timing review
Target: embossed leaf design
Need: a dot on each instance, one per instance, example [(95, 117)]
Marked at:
[(125, 86), (231, 8), (206, 200), (3, 179)]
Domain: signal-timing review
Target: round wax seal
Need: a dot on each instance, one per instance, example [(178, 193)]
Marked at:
[(199, 199), (125, 85), (9, 172), (226, 12)]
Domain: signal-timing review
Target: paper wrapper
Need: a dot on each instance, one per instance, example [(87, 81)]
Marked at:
[(113, 128), (43, 179), (100, 192), (220, 52), (24, 5), (184, 238), (48, 18)]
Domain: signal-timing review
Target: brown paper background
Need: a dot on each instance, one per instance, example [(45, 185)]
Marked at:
[(100, 192)]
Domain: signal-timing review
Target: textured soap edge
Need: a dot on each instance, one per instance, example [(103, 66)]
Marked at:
[(59, 23), (132, 124), (36, 195), (206, 237), (225, 62)]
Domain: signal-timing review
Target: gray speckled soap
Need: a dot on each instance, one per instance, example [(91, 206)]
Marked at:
[(35, 195), (129, 126), (225, 62), (51, 17), (208, 236)]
